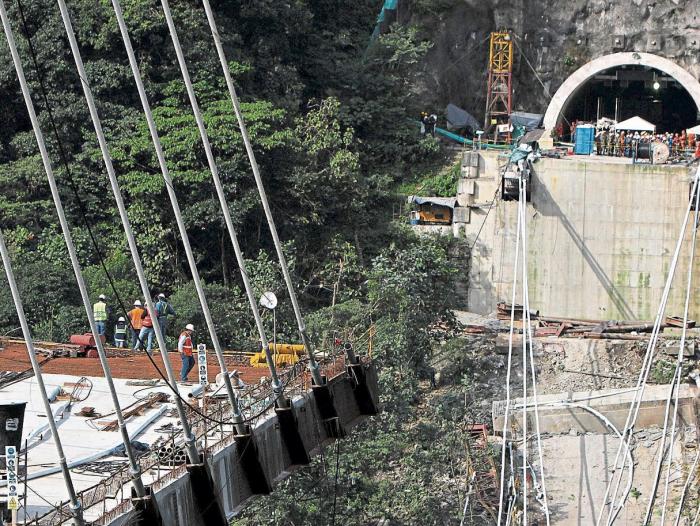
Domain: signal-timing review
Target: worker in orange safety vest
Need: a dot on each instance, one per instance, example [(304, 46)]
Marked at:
[(135, 323), (184, 347)]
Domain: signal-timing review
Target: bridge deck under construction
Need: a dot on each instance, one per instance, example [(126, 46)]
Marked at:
[(124, 363)]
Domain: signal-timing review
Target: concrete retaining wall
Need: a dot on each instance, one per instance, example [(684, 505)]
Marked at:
[(601, 236), (615, 408)]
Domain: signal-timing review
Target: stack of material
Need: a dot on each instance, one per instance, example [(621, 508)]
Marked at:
[(581, 328)]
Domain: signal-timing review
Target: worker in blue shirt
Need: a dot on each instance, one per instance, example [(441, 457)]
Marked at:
[(164, 310)]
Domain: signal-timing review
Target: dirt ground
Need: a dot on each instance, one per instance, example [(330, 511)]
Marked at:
[(130, 365)]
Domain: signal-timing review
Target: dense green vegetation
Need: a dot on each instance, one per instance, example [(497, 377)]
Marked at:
[(329, 118), (326, 119)]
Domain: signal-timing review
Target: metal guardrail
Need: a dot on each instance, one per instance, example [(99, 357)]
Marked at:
[(256, 401)]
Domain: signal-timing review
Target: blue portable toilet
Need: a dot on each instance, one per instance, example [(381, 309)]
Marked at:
[(585, 139)]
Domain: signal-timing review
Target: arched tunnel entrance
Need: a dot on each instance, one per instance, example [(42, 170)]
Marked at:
[(622, 85), (627, 91)]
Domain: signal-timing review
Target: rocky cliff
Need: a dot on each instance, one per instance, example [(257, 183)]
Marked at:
[(553, 39)]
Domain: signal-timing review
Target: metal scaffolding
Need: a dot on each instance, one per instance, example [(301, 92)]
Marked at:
[(499, 95)]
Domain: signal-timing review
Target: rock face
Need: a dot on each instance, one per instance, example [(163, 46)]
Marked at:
[(553, 39)]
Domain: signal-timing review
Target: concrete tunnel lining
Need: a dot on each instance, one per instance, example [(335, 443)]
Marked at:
[(582, 75)]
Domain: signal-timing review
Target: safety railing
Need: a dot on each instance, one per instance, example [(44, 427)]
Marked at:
[(256, 400)]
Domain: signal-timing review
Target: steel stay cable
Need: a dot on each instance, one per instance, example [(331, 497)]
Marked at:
[(521, 202), (76, 507), (509, 369), (674, 388), (691, 476), (160, 337), (313, 365), (214, 170), (643, 375), (528, 335), (655, 334), (155, 139), (681, 348), (641, 382), (697, 514), (77, 270)]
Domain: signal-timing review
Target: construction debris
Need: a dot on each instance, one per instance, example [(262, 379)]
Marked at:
[(137, 409), (582, 328)]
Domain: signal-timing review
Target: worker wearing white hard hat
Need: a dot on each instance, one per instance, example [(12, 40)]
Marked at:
[(120, 333), (135, 323), (100, 312), (184, 347)]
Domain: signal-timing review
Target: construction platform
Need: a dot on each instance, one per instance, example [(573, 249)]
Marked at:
[(88, 429)]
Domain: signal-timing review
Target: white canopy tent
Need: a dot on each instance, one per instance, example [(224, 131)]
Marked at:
[(635, 124), (695, 130)]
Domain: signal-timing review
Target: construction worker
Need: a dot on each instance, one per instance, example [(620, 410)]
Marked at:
[(432, 122), (147, 331), (184, 347), (136, 323), (120, 333), (164, 311), (423, 122), (100, 312)]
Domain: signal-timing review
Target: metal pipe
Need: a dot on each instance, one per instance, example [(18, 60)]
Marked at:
[(237, 416), (313, 365), (213, 168), (189, 436), (76, 507), (134, 469)]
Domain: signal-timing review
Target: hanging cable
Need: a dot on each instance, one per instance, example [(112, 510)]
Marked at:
[(509, 369), (681, 349), (673, 388), (75, 505), (688, 480), (313, 364), (213, 168), (135, 471), (613, 509), (527, 335), (524, 356)]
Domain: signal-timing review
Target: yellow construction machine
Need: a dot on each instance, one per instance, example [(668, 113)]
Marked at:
[(284, 354)]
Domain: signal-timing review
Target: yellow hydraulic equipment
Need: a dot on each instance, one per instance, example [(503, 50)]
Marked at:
[(284, 354)]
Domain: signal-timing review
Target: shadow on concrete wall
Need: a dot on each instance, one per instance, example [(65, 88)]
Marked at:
[(546, 205)]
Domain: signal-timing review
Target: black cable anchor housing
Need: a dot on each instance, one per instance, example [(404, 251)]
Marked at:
[(146, 509), (249, 458), (205, 495), (289, 429), (326, 408)]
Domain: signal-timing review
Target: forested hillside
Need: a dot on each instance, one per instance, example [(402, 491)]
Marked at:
[(330, 118)]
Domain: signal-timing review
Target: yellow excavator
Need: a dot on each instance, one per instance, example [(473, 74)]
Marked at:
[(284, 354)]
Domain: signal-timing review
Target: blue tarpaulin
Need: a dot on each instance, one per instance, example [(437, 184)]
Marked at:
[(389, 5)]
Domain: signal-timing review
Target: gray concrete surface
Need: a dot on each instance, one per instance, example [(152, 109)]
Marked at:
[(614, 404), (601, 236)]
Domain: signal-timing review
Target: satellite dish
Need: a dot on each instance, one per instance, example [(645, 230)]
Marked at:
[(268, 300)]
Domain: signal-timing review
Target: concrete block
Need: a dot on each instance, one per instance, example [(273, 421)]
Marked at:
[(462, 214), (614, 404), (671, 348)]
